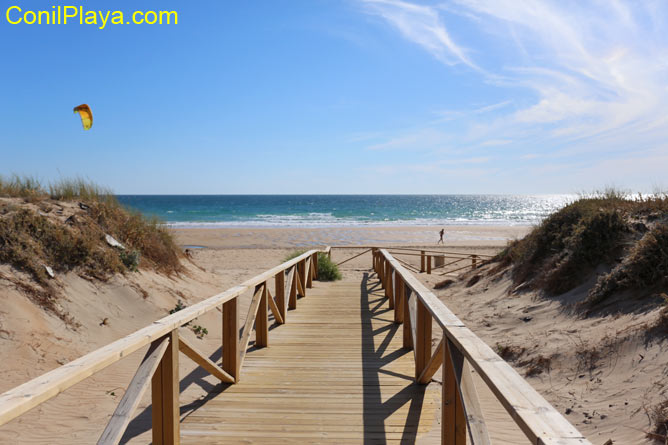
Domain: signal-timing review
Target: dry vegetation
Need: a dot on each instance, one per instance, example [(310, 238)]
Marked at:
[(64, 229), (626, 236), (611, 251)]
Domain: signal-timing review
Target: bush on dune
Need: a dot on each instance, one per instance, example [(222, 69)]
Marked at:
[(327, 269), (566, 248), (31, 239)]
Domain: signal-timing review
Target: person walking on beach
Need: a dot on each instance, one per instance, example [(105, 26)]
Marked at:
[(442, 232)]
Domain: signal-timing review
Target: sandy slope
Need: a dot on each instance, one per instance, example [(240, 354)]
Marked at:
[(33, 341), (606, 400), (605, 372)]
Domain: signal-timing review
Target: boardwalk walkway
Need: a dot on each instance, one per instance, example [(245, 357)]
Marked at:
[(335, 373)]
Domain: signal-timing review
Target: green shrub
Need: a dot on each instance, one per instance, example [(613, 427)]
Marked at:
[(130, 259), (327, 270), (294, 254)]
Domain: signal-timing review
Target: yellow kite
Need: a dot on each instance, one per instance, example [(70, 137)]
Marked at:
[(86, 116)]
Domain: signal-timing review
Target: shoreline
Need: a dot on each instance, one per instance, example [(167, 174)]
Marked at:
[(489, 236)]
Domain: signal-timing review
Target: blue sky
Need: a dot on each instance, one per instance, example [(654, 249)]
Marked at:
[(344, 96)]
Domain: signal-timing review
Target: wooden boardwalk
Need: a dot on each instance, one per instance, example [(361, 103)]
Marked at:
[(335, 373)]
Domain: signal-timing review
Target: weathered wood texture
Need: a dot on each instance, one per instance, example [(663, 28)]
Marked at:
[(165, 395), (540, 421), (120, 420), (335, 373), (17, 401), (202, 360)]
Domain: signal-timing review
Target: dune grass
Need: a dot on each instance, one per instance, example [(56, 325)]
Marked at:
[(599, 229), (31, 239)]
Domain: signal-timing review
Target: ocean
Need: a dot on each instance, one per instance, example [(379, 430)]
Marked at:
[(211, 211)]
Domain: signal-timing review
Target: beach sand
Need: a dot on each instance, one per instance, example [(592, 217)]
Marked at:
[(492, 236), (38, 342)]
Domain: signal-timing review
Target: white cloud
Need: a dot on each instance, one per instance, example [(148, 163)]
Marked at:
[(597, 72), (422, 25)]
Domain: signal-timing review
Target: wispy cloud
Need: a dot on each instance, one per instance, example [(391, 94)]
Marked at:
[(422, 25), (594, 73)]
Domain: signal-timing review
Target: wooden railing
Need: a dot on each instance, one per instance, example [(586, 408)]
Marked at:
[(160, 367), (460, 349), (428, 258)]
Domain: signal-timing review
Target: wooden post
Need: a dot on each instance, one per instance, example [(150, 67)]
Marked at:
[(315, 265), (279, 280), (422, 337), (473, 261), (292, 298), (399, 289), (428, 264), (309, 278), (390, 287), (262, 321), (231, 338), (421, 261), (165, 395), (453, 421), (408, 334), (381, 270), (387, 277), (302, 274)]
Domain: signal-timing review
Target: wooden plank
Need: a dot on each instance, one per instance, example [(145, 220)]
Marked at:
[(442, 315), (390, 288), (456, 415), (474, 415), (353, 257), (199, 358), (262, 321), (274, 307), (120, 420), (408, 330), (399, 289), (309, 274), (301, 270), (299, 284), (432, 366), (309, 281), (412, 314), (539, 420), (440, 252), (250, 322), (324, 379), (422, 338), (292, 289), (279, 281), (165, 395), (231, 362), (22, 398), (409, 266)]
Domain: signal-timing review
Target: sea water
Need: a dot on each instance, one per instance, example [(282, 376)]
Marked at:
[(345, 210)]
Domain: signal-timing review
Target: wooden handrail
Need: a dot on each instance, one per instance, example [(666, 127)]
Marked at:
[(540, 421), (161, 363), (464, 254)]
